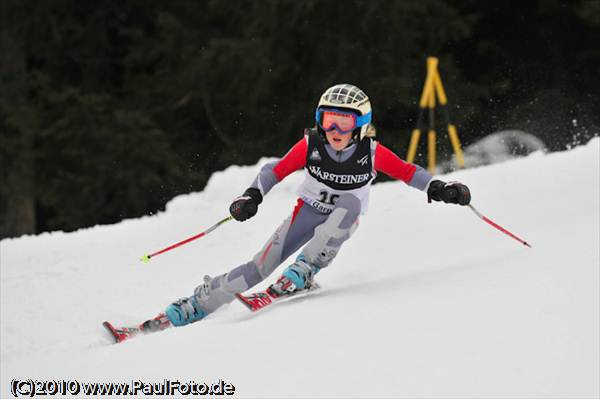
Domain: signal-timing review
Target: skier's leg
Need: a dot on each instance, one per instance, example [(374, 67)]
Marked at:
[(324, 246), (294, 232), (330, 235)]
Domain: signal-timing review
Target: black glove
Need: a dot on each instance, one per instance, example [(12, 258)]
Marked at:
[(453, 192), (244, 207)]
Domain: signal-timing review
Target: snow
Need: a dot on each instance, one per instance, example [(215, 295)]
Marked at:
[(425, 300)]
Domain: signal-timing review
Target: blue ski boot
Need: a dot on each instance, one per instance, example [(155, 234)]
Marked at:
[(298, 276), (187, 310)]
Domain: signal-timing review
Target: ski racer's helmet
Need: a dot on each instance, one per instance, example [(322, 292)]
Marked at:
[(346, 108)]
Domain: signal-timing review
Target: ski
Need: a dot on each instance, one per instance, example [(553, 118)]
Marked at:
[(120, 334), (254, 302), (261, 299)]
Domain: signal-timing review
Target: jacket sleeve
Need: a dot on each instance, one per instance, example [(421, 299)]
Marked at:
[(389, 163), (274, 172)]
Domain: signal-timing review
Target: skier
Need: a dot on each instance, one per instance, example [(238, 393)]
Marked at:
[(340, 160)]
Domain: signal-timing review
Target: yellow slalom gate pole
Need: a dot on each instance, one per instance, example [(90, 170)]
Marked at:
[(423, 103), (412, 147), (456, 145), (432, 87), (431, 151), (431, 134), (429, 85), (439, 88)]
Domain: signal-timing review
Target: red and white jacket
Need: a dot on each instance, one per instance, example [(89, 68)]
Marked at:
[(321, 187)]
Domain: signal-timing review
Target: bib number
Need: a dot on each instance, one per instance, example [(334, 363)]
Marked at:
[(328, 198)]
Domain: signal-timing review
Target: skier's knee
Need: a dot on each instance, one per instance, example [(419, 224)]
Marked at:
[(351, 204), (330, 235), (220, 290), (240, 279)]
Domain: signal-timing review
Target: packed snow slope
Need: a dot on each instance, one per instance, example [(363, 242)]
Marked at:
[(425, 300)]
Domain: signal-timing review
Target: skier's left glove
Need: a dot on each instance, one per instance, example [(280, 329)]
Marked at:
[(246, 206), (453, 192)]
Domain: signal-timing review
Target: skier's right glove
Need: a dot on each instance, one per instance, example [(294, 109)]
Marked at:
[(453, 192), (244, 207)]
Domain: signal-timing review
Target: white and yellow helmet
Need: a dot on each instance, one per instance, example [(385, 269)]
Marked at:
[(350, 98)]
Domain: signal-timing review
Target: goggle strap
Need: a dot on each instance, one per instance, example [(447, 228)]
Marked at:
[(363, 120)]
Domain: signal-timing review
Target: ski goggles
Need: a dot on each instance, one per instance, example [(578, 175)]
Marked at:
[(342, 121)]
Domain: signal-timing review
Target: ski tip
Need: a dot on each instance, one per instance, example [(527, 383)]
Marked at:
[(244, 301), (112, 331), (255, 301), (117, 336)]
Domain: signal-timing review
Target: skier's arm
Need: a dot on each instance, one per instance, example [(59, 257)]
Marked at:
[(415, 176), (274, 172), (389, 163), (246, 206)]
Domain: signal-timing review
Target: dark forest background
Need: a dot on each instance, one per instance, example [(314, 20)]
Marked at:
[(108, 109)]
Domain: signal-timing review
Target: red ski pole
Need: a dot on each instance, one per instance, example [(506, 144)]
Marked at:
[(146, 258), (502, 229)]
